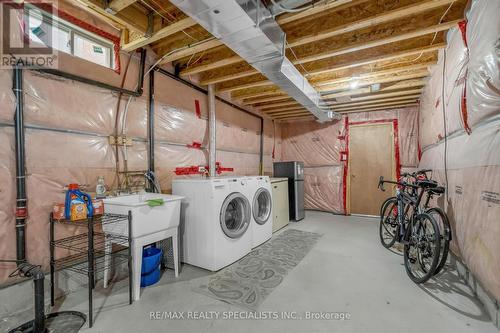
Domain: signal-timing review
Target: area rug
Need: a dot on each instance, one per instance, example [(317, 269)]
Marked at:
[(248, 282)]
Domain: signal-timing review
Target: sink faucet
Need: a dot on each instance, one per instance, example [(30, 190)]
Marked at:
[(151, 178)]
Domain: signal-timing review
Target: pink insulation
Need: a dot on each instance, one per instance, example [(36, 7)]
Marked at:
[(468, 163), (56, 157)]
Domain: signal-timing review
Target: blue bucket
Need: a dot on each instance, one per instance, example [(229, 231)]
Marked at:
[(151, 278), (151, 258)]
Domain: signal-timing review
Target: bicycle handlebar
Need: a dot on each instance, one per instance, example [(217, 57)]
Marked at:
[(381, 182)]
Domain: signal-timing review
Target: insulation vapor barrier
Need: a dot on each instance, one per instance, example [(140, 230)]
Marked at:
[(320, 147), (460, 136), (67, 141)]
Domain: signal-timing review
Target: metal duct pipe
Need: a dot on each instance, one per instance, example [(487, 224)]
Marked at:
[(212, 132), (249, 29)]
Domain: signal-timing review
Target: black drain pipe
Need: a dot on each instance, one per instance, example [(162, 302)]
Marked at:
[(21, 206), (25, 269), (151, 130)]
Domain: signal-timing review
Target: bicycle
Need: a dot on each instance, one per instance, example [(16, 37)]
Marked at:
[(438, 214), (418, 231)]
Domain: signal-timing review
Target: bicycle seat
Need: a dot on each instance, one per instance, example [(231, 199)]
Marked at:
[(427, 183), (437, 190)]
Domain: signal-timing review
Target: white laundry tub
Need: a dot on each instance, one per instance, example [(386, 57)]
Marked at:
[(145, 219)]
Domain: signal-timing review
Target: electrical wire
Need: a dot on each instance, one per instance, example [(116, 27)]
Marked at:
[(160, 14), (432, 41)]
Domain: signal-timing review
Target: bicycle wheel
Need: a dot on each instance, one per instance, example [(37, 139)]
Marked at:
[(422, 249), (388, 228), (445, 234)]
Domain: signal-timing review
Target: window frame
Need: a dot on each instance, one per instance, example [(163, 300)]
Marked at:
[(55, 21)]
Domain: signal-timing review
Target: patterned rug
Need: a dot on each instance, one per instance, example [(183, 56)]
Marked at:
[(247, 282)]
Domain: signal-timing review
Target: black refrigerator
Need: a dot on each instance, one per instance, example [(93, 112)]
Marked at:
[(294, 171)]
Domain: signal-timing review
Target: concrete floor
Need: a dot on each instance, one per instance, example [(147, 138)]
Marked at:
[(348, 271)]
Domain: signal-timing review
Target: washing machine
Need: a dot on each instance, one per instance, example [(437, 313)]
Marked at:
[(215, 221), (260, 195)]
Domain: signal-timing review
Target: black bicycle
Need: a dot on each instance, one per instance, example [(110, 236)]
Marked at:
[(387, 221), (418, 231)]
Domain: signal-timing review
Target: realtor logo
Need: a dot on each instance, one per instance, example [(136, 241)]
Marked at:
[(27, 34)]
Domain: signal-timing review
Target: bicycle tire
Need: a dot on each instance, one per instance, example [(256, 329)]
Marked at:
[(436, 242), (445, 234), (382, 227)]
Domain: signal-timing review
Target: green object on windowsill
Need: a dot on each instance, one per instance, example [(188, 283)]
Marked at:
[(155, 202)]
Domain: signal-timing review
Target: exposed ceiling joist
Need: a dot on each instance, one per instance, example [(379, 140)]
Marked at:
[(361, 108), (370, 81), (391, 99), (385, 57), (379, 96), (273, 97), (397, 86), (209, 66), (262, 83), (160, 34), (269, 106), (287, 18), (129, 18), (383, 108), (276, 114), (312, 73), (300, 107), (191, 49), (117, 5), (371, 21), (366, 45), (363, 76), (304, 116)]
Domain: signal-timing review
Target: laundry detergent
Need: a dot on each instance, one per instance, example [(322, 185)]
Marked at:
[(78, 204)]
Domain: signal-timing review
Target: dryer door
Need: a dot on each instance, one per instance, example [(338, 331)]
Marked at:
[(262, 206), (235, 215)]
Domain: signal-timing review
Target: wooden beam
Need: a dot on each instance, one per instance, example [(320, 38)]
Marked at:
[(383, 17), (305, 116), (410, 101), (385, 57), (209, 66), (366, 45), (119, 19), (396, 86), (262, 83), (287, 18), (273, 105), (251, 101), (228, 77), (191, 49), (392, 99), (257, 94), (160, 34), (312, 73), (382, 108), (285, 113), (393, 78), (117, 5), (378, 96), (389, 71), (300, 107)]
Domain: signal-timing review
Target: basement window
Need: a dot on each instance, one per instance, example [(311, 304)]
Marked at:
[(69, 38)]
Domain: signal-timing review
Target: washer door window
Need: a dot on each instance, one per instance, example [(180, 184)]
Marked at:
[(262, 206), (235, 215)]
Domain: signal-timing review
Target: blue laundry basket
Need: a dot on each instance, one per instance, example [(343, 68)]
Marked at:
[(150, 269)]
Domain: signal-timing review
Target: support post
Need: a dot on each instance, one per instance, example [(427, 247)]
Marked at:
[(212, 145)]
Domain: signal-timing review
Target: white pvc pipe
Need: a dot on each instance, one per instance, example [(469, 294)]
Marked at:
[(212, 153)]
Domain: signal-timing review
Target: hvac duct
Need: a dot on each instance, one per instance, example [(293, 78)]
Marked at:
[(249, 29)]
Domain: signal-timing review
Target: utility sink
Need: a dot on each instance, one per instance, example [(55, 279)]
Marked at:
[(146, 220)]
